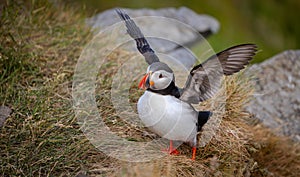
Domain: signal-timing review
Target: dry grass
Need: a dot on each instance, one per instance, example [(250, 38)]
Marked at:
[(275, 154), (39, 48), (237, 149)]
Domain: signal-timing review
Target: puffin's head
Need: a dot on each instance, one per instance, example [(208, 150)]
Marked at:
[(158, 77)]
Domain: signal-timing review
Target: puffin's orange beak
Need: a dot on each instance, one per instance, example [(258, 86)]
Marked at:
[(142, 84)]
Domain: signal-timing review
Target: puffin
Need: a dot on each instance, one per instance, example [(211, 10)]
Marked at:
[(166, 109)]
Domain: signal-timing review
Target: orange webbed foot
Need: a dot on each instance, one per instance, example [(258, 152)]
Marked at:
[(171, 150), (193, 153)]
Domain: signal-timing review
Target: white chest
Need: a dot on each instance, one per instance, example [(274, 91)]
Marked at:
[(168, 116)]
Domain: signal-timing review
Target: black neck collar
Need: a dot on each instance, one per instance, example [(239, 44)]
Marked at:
[(170, 90)]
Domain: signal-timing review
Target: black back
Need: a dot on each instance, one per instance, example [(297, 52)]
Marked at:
[(203, 117)]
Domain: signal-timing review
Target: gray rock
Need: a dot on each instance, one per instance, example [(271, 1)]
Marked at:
[(4, 113), (203, 24), (277, 99), (167, 29)]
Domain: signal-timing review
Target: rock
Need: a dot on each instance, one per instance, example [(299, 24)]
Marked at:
[(277, 97), (203, 24), (4, 113), (164, 35)]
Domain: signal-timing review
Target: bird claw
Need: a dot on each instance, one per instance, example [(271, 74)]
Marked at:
[(174, 152), (171, 152)]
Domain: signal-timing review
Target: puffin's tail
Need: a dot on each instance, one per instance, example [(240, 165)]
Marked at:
[(203, 117)]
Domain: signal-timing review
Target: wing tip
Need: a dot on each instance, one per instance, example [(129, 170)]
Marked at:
[(134, 31), (244, 51), (122, 14), (249, 46)]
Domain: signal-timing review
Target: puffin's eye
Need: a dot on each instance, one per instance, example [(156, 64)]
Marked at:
[(160, 76)]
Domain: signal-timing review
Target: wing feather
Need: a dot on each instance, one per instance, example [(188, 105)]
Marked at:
[(205, 79), (142, 44)]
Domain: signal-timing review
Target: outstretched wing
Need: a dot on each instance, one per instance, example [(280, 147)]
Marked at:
[(205, 79), (134, 31)]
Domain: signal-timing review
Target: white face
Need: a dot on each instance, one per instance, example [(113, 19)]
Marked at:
[(160, 79)]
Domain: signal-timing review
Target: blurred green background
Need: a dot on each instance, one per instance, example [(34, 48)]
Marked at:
[(273, 25)]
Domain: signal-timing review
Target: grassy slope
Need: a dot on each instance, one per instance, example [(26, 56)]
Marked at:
[(39, 48)]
